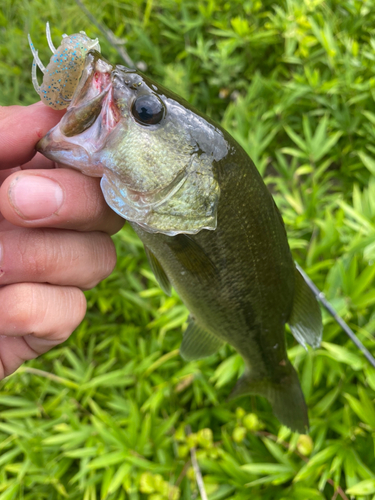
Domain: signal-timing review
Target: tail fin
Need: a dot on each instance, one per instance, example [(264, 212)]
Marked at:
[(285, 396)]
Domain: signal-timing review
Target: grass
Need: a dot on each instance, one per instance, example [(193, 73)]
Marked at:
[(104, 415)]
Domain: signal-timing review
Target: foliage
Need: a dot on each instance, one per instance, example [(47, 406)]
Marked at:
[(104, 415)]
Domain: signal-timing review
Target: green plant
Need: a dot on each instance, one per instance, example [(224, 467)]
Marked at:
[(103, 416)]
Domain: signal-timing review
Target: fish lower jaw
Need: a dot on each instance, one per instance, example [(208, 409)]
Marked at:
[(67, 154)]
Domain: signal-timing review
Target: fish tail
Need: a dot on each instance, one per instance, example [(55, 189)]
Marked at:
[(285, 396)]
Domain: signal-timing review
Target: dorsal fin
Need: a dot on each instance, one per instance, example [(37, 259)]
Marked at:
[(198, 343), (159, 272), (306, 319)]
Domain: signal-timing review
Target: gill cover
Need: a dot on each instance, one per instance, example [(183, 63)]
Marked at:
[(187, 205)]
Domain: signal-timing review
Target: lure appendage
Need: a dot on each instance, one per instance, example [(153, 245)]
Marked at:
[(63, 72)]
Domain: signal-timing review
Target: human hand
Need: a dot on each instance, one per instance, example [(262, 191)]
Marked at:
[(54, 240)]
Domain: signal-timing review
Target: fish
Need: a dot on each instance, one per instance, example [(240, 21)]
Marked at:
[(209, 225)]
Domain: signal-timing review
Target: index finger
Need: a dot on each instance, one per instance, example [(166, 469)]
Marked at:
[(21, 127)]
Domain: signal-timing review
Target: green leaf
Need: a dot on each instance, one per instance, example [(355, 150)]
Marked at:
[(365, 409), (11, 492), (16, 429), (278, 453), (366, 487), (107, 459), (294, 152), (117, 378), (15, 401), (8, 456), (19, 413), (314, 463), (363, 281), (368, 161), (227, 370), (266, 469), (343, 355), (370, 116), (296, 139), (122, 472), (274, 479), (81, 452), (327, 146), (326, 402), (67, 437), (363, 221), (146, 464)]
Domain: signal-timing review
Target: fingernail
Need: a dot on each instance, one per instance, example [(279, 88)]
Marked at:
[(35, 197)]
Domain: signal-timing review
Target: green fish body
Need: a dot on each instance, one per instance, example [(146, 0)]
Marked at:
[(209, 225)]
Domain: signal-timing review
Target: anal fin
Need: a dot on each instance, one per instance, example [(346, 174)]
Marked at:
[(159, 272), (306, 319), (198, 343)]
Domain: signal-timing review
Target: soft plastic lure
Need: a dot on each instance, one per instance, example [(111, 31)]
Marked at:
[(62, 74)]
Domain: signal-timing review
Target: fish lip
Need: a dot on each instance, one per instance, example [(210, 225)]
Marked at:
[(62, 152)]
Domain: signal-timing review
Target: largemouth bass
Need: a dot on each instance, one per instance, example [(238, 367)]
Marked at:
[(210, 227)]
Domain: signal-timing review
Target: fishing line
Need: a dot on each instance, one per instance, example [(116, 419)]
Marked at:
[(109, 35), (349, 332)]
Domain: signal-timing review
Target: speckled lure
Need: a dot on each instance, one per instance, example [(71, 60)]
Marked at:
[(63, 72)]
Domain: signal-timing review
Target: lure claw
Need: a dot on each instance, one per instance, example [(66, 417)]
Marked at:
[(49, 39), (34, 77), (35, 54)]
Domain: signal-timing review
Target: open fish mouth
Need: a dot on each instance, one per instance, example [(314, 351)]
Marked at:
[(89, 120)]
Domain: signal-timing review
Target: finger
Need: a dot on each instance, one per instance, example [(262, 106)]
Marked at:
[(58, 257), (59, 198), (34, 318), (21, 127)]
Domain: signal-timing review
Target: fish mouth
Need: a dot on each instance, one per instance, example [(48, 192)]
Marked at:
[(91, 117)]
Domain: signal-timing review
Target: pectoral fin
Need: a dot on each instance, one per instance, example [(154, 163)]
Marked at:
[(306, 319), (159, 272), (192, 256), (198, 343)]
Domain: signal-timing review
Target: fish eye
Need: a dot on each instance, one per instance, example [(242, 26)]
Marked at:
[(148, 109)]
